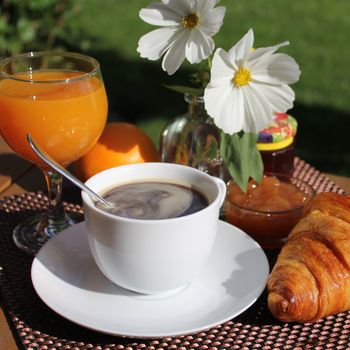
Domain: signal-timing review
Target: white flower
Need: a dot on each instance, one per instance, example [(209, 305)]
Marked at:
[(247, 86), (187, 28)]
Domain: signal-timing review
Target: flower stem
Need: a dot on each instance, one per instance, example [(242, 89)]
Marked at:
[(209, 63)]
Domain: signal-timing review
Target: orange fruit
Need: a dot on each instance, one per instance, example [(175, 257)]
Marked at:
[(120, 143)]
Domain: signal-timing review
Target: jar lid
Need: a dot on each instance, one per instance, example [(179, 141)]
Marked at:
[(282, 128), (273, 146)]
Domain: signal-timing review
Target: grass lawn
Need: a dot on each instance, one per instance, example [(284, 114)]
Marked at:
[(318, 32)]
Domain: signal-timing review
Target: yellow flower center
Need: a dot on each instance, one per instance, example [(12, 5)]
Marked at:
[(242, 77), (190, 21)]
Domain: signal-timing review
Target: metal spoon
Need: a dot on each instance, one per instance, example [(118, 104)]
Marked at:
[(48, 160)]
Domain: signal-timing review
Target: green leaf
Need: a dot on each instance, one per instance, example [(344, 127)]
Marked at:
[(242, 157), (186, 90)]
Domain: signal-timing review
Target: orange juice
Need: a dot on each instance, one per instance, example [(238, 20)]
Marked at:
[(64, 116)]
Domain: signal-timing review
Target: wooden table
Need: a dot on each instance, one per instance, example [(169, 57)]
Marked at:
[(18, 176)]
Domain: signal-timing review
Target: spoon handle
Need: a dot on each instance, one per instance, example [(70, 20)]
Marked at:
[(48, 160)]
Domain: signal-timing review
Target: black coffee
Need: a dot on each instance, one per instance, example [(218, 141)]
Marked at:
[(153, 200)]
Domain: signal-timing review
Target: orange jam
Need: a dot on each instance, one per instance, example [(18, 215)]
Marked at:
[(268, 211)]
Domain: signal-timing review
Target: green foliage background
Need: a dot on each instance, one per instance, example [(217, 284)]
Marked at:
[(35, 24), (318, 32)]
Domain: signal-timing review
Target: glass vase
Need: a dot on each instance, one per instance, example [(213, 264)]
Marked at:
[(193, 139)]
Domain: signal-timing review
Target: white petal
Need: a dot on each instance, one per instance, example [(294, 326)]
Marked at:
[(198, 46), (204, 7), (284, 68), (181, 7), (221, 68), (280, 97), (211, 97), (231, 116), (257, 110), (260, 72), (176, 54), (225, 106), (212, 23), (238, 113), (259, 55), (242, 49), (276, 69), (159, 14), (153, 44)]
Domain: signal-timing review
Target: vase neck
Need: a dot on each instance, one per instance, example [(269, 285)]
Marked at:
[(195, 105)]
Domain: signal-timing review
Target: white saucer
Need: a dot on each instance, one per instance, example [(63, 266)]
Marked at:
[(66, 278)]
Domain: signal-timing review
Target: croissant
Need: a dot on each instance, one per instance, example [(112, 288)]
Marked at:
[(311, 277)]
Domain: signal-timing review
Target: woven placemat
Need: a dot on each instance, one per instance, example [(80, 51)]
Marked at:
[(37, 327)]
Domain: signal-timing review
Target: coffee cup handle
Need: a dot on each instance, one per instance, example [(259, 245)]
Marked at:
[(222, 188)]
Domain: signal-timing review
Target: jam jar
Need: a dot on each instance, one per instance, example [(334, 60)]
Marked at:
[(276, 144), (267, 211)]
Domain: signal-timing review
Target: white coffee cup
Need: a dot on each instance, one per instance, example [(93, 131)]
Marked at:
[(153, 256)]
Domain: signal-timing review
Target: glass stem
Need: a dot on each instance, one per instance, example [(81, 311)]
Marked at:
[(57, 220)]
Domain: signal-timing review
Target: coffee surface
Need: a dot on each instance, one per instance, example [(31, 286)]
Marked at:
[(153, 200)]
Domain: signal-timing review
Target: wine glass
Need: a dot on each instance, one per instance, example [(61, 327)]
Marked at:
[(60, 99)]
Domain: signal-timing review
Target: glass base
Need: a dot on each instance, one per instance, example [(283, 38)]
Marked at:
[(31, 234)]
